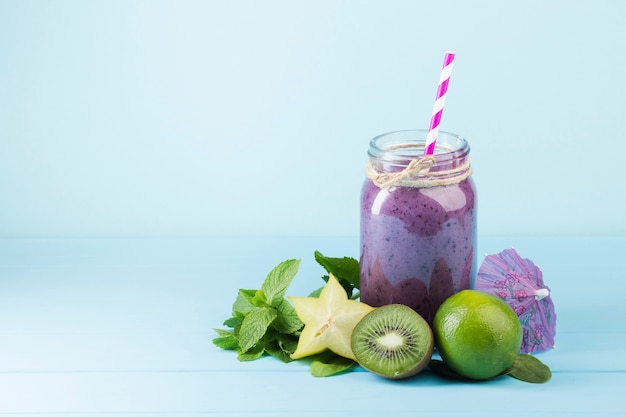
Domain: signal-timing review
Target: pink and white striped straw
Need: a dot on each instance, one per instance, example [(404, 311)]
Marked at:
[(435, 120)]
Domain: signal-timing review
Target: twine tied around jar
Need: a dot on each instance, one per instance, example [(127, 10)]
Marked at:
[(415, 174)]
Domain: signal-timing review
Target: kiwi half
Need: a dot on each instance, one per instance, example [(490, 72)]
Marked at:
[(393, 341)]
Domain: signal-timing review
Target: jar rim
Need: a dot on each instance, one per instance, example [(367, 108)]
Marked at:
[(402, 146)]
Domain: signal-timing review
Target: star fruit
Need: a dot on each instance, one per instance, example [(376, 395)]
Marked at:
[(328, 321)]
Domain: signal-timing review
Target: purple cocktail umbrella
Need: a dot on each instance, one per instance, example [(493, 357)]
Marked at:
[(519, 282)]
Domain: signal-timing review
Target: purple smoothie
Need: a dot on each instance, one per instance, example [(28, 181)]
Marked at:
[(417, 244)]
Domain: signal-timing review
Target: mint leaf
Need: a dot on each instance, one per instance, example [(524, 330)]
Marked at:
[(278, 353), (260, 299), (252, 354), (226, 340), (248, 300), (288, 343), (346, 270), (243, 302), (328, 364), (528, 368), (342, 268), (232, 322), (287, 320), (254, 326), (278, 280), (282, 347)]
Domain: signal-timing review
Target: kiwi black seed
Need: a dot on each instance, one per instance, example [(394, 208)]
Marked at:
[(393, 341)]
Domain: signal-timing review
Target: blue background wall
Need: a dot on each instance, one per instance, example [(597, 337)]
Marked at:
[(192, 118)]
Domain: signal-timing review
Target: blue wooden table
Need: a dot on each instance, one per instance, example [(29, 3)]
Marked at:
[(123, 327)]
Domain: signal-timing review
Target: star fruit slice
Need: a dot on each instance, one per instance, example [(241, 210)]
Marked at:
[(328, 321)]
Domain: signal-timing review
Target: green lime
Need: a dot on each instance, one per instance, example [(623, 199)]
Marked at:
[(478, 335)]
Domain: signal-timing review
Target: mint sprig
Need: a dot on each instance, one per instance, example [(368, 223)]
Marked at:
[(346, 270), (263, 321)]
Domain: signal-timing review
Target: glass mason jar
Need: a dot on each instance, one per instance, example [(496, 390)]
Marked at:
[(418, 221)]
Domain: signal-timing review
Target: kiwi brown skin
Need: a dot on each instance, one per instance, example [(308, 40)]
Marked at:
[(392, 317)]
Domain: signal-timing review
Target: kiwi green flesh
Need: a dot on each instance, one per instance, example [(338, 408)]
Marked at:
[(393, 341)]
